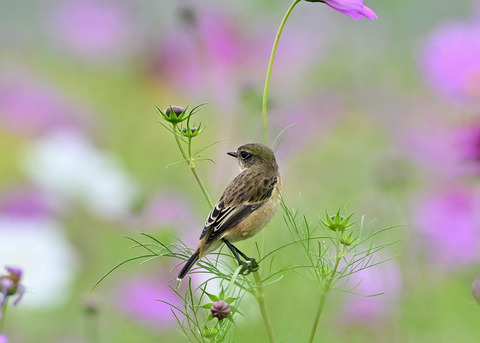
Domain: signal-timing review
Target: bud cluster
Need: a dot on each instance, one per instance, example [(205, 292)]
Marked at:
[(340, 224)]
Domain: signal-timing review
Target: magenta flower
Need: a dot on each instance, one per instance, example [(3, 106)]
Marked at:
[(467, 146), (353, 8), (448, 225), (25, 203), (94, 30), (209, 53), (371, 311), (451, 63), (33, 107), (141, 299)]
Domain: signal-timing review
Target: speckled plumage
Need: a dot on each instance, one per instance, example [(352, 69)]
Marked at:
[(247, 204)]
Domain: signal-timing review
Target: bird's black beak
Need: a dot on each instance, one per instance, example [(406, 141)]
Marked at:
[(232, 153)]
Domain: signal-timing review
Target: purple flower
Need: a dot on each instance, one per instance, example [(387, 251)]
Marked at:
[(352, 8), (211, 53), (370, 311), (94, 29), (25, 203), (10, 285), (141, 299), (467, 145), (3, 338), (451, 63), (448, 225), (33, 107), (447, 152)]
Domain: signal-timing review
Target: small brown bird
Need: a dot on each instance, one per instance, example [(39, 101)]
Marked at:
[(245, 207)]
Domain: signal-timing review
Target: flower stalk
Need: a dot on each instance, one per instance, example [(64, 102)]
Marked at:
[(260, 297), (325, 288), (269, 71)]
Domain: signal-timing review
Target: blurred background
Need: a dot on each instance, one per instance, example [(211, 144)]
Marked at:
[(387, 125)]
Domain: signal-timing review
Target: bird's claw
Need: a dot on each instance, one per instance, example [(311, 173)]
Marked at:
[(249, 266)]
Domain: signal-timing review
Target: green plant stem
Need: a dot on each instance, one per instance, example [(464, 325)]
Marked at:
[(323, 295), (260, 296), (3, 315), (269, 71), (191, 164)]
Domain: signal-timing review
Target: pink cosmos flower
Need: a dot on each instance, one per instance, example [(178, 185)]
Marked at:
[(94, 30), (33, 107), (451, 63), (142, 299), (371, 311), (353, 8), (24, 202), (448, 223)]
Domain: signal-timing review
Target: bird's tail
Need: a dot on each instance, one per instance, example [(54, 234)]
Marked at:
[(190, 263)]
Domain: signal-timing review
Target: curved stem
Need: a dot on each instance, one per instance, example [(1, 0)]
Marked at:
[(190, 163), (260, 296), (269, 71), (323, 296)]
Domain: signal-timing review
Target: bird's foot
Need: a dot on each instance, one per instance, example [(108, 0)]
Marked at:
[(249, 266)]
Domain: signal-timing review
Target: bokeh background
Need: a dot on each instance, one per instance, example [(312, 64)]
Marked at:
[(387, 125)]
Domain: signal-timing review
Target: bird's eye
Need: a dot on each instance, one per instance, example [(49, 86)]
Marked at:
[(245, 155)]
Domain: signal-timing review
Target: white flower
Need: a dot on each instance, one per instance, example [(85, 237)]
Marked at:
[(46, 257), (67, 164)]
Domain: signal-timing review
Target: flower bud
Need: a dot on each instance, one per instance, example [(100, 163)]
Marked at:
[(10, 285), (476, 290), (174, 114), (337, 223), (347, 239), (220, 309), (177, 111)]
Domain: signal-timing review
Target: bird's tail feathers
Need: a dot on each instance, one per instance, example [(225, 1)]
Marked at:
[(190, 263)]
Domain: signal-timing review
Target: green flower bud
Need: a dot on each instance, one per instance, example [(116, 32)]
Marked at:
[(337, 223), (347, 240), (174, 114)]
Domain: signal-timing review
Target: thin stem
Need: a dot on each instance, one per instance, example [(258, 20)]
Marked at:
[(325, 289), (269, 71), (260, 296), (3, 314), (191, 164)]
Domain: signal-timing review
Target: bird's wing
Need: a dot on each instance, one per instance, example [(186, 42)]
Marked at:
[(237, 202)]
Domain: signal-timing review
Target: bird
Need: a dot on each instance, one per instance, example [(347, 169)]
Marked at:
[(246, 206)]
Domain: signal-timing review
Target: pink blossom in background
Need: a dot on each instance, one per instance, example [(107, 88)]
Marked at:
[(3, 338), (446, 150), (370, 311), (448, 224), (139, 298), (307, 123), (94, 30), (33, 107), (451, 62), (467, 144), (25, 202), (211, 52)]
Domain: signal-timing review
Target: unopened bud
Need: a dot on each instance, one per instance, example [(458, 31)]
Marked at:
[(220, 309)]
